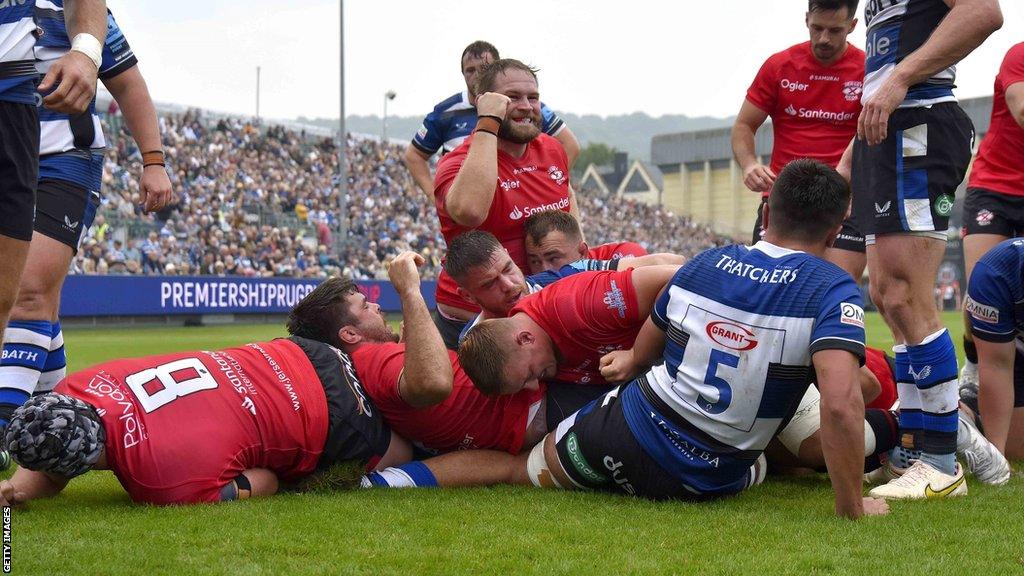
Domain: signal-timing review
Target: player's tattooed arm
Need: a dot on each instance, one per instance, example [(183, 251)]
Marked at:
[(252, 483), (26, 485), (756, 176)]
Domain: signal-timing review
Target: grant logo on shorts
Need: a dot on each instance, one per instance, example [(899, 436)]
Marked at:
[(852, 314), (981, 312), (944, 205)]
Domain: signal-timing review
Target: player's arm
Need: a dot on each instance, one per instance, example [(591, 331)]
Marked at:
[(842, 428), (131, 93), (870, 387), (648, 348), (965, 27), (252, 483), (659, 259), (570, 144), (995, 389), (427, 372), (73, 76), (469, 199), (648, 282), (417, 162), (574, 209), (845, 166), (756, 176), (399, 452), (1015, 102), (26, 485)]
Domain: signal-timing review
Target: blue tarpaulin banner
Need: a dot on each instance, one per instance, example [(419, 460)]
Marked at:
[(160, 295)]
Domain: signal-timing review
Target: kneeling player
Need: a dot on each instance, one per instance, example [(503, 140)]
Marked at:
[(736, 333), (200, 426), (997, 324)]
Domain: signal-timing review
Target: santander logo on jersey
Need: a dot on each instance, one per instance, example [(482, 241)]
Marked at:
[(731, 335), (528, 211)]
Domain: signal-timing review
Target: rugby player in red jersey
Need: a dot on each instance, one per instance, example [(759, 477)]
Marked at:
[(561, 332), (554, 239), (200, 426), (417, 385), (501, 174), (811, 91)]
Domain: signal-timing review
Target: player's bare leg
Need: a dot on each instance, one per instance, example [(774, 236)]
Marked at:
[(11, 265), (851, 261), (903, 269)]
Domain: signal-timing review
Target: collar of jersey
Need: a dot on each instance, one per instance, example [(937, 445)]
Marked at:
[(772, 250)]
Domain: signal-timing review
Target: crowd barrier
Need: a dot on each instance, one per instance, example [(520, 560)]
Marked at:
[(173, 295)]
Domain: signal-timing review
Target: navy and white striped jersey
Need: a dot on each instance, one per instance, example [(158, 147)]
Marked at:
[(995, 294), (71, 147), (17, 64), (536, 282), (742, 324), (454, 119), (896, 28)]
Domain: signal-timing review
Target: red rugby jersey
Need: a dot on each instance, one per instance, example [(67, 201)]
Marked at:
[(999, 165), (587, 315), (467, 419), (181, 426), (813, 108), (539, 180), (876, 361), (613, 250)]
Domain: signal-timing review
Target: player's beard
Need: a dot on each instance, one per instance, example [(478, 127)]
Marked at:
[(519, 133), (824, 51)]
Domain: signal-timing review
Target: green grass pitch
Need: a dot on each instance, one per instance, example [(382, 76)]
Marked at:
[(785, 526)]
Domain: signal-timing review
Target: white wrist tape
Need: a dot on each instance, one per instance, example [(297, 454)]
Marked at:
[(88, 44)]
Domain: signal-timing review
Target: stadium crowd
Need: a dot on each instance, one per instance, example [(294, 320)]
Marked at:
[(261, 201)]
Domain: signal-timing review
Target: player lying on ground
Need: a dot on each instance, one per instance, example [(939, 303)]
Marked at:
[(200, 426), (561, 332), (554, 239), (417, 385), (208, 426), (487, 276), (735, 335)]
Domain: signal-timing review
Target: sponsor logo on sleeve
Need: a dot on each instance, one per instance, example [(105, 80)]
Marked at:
[(852, 314), (981, 312)]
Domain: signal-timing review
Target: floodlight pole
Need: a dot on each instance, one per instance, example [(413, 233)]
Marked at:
[(342, 140), (257, 93)]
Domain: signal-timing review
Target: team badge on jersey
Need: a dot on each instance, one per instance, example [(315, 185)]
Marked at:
[(852, 90), (615, 301)]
